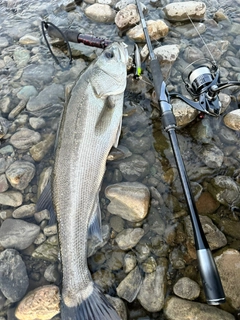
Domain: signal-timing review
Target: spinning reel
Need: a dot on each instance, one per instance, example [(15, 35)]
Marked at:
[(204, 85)]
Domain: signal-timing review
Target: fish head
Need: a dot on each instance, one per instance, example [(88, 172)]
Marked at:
[(109, 71)]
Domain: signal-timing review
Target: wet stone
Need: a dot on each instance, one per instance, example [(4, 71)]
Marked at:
[(18, 234), (186, 288), (11, 198), (25, 211), (41, 303), (128, 238), (44, 74), (215, 237), (181, 11), (149, 265), (50, 230), (178, 309), (104, 278), (26, 92), (134, 168), (153, 289), (202, 131), (183, 112), (46, 251), (21, 57), (20, 174), (127, 17), (25, 138), (157, 29), (228, 264), (129, 200), (138, 145), (40, 239), (42, 215), (232, 120), (3, 42), (37, 123), (52, 274), (225, 190), (48, 102), (13, 275), (130, 262), (119, 306), (117, 223), (100, 13), (29, 39), (210, 154), (128, 289), (3, 183), (42, 148), (4, 125)]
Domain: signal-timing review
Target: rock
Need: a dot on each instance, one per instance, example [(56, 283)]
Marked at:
[(181, 11), (134, 168), (228, 264), (104, 278), (130, 262), (186, 288), (21, 56), (184, 114), (49, 102), (37, 123), (206, 204), (129, 238), (176, 258), (129, 200), (94, 244), (232, 120), (42, 303), (179, 309), (48, 250), (117, 223), (100, 13), (127, 17), (149, 265), (210, 154), (153, 289), (26, 92), (3, 183), (44, 74), (25, 138), (39, 150), (217, 48), (202, 131), (225, 190), (29, 39), (129, 287), (20, 174), (215, 237), (52, 274), (192, 54), (4, 125), (167, 53), (156, 29), (25, 211), (229, 227), (13, 275), (11, 198), (138, 145), (67, 5), (18, 234), (119, 306)]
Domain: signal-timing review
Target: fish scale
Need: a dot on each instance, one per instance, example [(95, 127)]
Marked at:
[(90, 126)]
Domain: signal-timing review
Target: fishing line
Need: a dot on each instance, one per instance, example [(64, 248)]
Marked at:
[(46, 24)]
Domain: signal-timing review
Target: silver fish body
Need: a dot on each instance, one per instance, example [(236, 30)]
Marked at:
[(90, 126)]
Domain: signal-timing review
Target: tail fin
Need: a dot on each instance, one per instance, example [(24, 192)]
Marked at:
[(95, 307)]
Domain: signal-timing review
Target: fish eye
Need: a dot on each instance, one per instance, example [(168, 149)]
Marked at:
[(109, 54)]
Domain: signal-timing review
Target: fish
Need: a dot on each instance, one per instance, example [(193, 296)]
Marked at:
[(89, 128)]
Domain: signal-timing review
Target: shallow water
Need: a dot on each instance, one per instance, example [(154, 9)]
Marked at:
[(17, 17)]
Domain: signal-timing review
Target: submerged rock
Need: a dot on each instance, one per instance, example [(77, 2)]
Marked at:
[(127, 17), (186, 288), (129, 238), (13, 275), (129, 200), (181, 11), (20, 173), (25, 138), (128, 289), (179, 309), (232, 120), (41, 303), (100, 13)]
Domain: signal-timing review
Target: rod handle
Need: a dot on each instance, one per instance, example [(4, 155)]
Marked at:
[(210, 277)]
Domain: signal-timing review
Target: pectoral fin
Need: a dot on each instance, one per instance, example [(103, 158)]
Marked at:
[(45, 202)]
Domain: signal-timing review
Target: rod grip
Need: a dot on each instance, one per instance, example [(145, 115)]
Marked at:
[(210, 277)]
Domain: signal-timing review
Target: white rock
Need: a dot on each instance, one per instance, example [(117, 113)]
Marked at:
[(181, 11), (100, 13), (232, 120)]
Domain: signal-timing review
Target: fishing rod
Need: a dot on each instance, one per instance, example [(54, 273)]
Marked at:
[(209, 274)]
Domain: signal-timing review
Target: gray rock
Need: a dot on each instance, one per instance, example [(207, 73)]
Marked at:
[(18, 234), (215, 237), (225, 190), (232, 120), (26, 92), (228, 264), (217, 48), (25, 138), (127, 16), (100, 13), (117, 223), (13, 275), (179, 309), (134, 168), (42, 148), (149, 265), (157, 29), (49, 102), (129, 287), (153, 289), (181, 11), (129, 200), (21, 56), (25, 211), (138, 145), (176, 258), (202, 131), (48, 250), (37, 123), (3, 183), (129, 238), (130, 262), (4, 125), (20, 174), (52, 274), (29, 39), (11, 198), (210, 154), (119, 306), (227, 136), (186, 288), (44, 74), (184, 114)]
